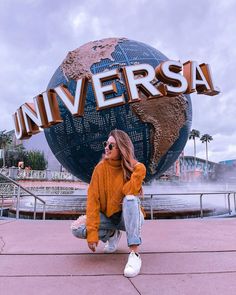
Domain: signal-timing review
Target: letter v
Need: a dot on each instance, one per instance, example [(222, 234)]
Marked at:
[(74, 104)]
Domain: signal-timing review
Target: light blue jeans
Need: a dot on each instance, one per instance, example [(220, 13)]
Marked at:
[(130, 221)]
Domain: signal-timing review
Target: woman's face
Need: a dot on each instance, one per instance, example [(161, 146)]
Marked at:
[(111, 150)]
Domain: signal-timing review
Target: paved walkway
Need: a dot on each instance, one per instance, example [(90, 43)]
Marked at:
[(179, 257)]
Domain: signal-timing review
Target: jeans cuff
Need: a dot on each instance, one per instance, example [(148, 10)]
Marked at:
[(80, 232), (134, 241)]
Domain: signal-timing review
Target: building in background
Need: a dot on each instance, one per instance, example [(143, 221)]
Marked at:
[(229, 163), (184, 170), (203, 170), (227, 170)]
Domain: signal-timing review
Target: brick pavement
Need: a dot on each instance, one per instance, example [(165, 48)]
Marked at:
[(190, 256)]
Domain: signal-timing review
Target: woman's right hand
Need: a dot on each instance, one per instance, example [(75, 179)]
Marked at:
[(92, 246), (133, 162)]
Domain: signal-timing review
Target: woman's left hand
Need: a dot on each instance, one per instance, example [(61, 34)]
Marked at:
[(92, 246)]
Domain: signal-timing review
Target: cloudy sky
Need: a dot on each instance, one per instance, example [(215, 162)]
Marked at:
[(35, 36)]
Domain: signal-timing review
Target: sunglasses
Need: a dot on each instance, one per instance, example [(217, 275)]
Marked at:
[(109, 145)]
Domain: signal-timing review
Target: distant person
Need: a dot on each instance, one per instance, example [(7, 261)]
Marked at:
[(20, 165), (113, 203), (28, 168)]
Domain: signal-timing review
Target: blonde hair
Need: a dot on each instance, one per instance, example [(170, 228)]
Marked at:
[(126, 148)]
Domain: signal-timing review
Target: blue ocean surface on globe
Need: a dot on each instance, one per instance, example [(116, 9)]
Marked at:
[(77, 142)]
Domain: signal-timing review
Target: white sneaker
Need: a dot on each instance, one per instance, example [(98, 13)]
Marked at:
[(112, 243), (133, 265)]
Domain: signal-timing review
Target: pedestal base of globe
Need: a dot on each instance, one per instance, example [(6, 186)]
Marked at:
[(158, 127)]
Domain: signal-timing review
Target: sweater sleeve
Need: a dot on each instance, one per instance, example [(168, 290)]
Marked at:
[(93, 209), (134, 185)]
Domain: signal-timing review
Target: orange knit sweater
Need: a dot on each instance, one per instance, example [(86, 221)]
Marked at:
[(106, 191)]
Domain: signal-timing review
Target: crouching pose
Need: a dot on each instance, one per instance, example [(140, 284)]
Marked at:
[(113, 203)]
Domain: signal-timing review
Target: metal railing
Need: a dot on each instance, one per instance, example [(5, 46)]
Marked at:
[(200, 194), (18, 196), (147, 197), (77, 203)]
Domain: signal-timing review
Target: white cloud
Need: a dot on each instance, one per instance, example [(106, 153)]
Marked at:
[(79, 21)]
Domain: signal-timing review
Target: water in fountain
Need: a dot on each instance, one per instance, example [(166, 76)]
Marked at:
[(174, 204)]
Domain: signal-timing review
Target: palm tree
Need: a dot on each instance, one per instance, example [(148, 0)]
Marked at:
[(206, 138), (5, 140), (193, 135)]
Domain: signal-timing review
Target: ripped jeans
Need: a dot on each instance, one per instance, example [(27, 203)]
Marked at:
[(130, 221)]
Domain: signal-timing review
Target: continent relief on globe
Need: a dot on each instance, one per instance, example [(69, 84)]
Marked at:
[(166, 115)]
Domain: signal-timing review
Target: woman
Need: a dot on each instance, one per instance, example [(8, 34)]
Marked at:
[(113, 202)]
